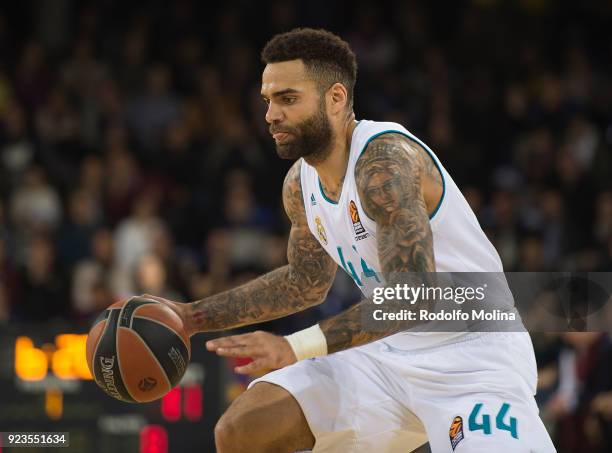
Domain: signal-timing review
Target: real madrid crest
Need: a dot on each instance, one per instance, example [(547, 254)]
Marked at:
[(321, 230)]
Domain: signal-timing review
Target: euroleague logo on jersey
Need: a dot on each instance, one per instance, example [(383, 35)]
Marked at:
[(360, 232), (455, 432)]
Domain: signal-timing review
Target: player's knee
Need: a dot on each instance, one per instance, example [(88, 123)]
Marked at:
[(227, 434), (232, 433)]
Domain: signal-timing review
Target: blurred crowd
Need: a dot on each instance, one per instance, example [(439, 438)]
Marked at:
[(134, 155)]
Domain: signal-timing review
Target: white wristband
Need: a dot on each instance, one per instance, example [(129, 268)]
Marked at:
[(308, 343)]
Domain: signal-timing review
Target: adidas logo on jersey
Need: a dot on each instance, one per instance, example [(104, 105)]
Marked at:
[(360, 232), (313, 201)]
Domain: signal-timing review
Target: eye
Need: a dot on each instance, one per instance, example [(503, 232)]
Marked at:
[(289, 100)]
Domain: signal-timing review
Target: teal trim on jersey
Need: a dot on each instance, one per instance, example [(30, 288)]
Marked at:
[(424, 146), (335, 203), (304, 195), (329, 200)]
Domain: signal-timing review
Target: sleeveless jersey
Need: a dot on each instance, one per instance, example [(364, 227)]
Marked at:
[(349, 235)]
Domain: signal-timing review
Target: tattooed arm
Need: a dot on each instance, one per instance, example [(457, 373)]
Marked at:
[(391, 176), (301, 284)]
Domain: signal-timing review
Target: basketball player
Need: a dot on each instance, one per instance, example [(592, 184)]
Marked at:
[(374, 199)]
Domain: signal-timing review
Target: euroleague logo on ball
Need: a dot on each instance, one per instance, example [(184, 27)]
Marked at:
[(147, 384)]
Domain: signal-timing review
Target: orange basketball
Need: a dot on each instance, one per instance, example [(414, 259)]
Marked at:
[(137, 350)]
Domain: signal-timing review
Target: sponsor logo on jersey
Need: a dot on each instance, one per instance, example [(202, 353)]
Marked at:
[(455, 432), (313, 201), (321, 230), (360, 232)]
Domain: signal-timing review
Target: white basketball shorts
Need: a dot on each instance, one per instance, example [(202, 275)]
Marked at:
[(475, 395)]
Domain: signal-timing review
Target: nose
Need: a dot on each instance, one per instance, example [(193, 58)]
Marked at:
[(274, 113)]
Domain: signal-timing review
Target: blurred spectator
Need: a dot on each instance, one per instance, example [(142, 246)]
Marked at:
[(16, 145), (580, 404), (137, 234), (35, 204), (375, 47), (96, 279), (9, 281), (91, 179), (501, 217), (4, 306), (531, 255), (151, 278), (553, 227), (44, 289), (6, 90), (244, 219), (149, 114), (179, 263), (32, 76), (122, 178), (132, 68), (603, 221), (83, 74), (582, 141), (75, 234), (57, 121)]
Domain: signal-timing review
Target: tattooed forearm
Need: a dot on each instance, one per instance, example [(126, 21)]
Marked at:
[(303, 283), (344, 330), (276, 294), (389, 178)]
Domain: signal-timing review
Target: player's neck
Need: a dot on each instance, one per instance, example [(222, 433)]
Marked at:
[(333, 169)]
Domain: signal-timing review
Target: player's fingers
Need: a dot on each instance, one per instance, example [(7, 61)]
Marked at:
[(226, 342), (238, 351), (253, 367)]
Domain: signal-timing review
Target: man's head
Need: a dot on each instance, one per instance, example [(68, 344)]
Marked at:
[(308, 84)]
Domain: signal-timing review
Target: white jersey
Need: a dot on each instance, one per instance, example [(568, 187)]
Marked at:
[(399, 392), (349, 235)]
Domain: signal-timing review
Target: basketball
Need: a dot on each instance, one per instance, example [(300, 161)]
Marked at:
[(137, 350)]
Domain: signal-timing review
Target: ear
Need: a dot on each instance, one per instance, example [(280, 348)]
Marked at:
[(338, 98)]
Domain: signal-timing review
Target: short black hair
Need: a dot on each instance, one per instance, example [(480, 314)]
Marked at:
[(327, 57)]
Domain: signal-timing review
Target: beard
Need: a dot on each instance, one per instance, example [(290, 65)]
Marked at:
[(311, 138)]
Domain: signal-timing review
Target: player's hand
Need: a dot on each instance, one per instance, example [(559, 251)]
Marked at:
[(178, 307), (268, 351)]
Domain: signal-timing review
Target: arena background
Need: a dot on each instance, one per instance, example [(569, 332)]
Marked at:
[(134, 157)]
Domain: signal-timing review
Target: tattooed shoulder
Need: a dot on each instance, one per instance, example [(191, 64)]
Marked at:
[(387, 173), (389, 176), (386, 160)]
